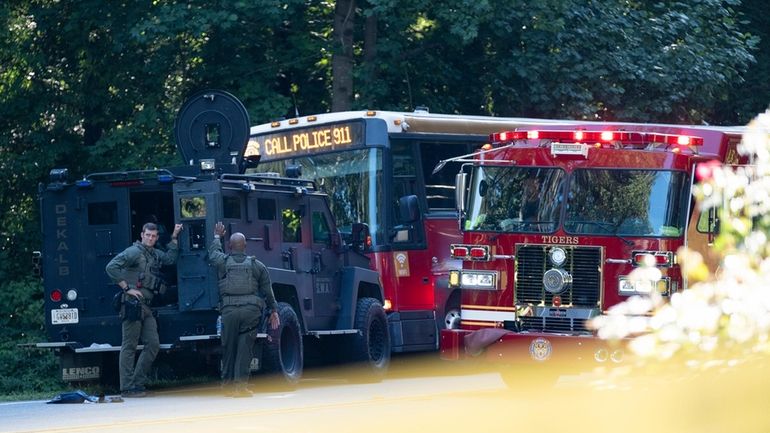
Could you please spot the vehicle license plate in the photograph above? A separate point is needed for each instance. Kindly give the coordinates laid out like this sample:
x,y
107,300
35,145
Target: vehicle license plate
x,y
63,316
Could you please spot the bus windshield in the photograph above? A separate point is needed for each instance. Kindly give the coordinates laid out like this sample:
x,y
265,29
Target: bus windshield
x,y
515,199
627,202
353,181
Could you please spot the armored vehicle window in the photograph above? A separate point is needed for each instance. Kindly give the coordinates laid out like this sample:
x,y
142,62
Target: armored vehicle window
x,y
320,229
266,209
192,207
102,213
232,207
292,225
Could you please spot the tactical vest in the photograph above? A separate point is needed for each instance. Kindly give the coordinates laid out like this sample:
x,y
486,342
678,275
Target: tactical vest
x,y
239,277
147,266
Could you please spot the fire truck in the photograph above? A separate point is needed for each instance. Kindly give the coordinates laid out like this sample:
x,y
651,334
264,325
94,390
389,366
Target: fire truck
x,y
555,218
330,302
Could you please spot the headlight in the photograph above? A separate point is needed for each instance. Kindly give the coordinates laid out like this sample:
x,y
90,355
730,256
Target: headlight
x,y
483,280
556,280
558,256
628,287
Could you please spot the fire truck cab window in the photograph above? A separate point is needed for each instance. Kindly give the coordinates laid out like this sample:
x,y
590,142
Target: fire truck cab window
x,y
627,202
515,199
102,213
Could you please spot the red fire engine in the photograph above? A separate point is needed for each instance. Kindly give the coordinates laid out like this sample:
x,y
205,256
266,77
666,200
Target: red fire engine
x,y
554,220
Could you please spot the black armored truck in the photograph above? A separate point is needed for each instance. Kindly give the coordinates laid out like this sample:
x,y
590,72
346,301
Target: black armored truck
x,y
330,302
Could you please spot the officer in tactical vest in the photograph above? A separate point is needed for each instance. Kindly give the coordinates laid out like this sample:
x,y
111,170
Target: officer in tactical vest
x,y
244,290
137,271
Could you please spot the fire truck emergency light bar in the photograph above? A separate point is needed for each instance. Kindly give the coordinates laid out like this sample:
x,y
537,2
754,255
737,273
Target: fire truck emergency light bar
x,y
583,136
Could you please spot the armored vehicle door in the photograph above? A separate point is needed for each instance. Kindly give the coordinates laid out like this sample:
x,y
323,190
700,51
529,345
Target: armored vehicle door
x,y
326,265
197,205
83,228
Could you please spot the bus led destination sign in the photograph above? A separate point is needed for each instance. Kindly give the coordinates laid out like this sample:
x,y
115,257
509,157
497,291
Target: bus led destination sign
x,y
303,141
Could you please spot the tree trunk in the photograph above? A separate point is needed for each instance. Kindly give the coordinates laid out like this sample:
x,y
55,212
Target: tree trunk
x,y
342,56
370,38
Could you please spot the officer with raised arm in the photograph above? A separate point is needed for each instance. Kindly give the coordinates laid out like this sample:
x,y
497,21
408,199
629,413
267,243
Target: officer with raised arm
x,y
137,271
245,290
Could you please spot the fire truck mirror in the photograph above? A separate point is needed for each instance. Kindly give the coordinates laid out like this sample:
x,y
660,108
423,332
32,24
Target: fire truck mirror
x,y
713,225
460,180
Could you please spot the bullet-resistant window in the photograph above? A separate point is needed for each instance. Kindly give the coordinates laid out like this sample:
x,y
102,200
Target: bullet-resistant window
x,y
102,213
231,206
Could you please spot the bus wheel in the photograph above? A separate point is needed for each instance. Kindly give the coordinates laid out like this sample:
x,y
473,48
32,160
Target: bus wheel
x,y
371,346
283,351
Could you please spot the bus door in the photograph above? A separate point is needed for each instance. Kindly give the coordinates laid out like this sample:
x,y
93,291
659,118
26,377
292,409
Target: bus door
x,y
197,206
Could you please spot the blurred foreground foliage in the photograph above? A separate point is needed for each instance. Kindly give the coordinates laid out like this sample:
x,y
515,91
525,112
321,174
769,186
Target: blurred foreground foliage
x,y
723,318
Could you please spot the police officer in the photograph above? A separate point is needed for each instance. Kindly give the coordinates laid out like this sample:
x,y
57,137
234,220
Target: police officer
x,y
136,271
244,290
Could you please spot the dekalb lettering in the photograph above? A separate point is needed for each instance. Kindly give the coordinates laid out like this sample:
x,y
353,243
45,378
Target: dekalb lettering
x,y
62,249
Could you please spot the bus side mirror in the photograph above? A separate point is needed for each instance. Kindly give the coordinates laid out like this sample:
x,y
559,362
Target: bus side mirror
x,y
460,180
360,238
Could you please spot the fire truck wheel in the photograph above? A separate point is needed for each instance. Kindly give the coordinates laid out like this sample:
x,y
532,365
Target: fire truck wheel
x,y
371,346
283,351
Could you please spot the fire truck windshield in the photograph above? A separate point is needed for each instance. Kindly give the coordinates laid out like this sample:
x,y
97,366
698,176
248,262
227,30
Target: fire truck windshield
x,y
353,181
599,201
627,202
515,199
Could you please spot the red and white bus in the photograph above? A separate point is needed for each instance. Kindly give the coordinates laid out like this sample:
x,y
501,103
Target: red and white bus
x,y
376,167
555,218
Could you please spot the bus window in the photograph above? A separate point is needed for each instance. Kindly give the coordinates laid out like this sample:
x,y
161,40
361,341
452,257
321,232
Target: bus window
x,y
440,187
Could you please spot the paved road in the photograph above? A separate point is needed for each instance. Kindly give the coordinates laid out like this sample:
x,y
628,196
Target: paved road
x,y
425,398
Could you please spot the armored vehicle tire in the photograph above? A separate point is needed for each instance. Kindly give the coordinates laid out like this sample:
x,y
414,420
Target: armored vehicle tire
x,y
283,350
371,346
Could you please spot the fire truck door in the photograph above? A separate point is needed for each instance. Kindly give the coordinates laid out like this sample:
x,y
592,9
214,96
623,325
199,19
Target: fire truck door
x,y
198,207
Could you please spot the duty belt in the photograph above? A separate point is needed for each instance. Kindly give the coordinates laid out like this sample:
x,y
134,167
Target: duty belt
x,y
240,300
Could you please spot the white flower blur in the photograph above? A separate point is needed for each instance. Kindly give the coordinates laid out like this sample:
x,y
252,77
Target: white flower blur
x,y
730,308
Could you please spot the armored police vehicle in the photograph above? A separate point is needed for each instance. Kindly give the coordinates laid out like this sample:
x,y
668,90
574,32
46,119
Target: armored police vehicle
x,y
330,302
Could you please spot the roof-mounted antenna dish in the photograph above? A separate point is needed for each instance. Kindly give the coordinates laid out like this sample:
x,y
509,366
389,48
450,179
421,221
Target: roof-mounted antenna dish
x,y
212,124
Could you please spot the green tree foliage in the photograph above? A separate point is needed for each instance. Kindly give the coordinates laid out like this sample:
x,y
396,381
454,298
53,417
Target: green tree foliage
x,y
596,59
750,96
95,86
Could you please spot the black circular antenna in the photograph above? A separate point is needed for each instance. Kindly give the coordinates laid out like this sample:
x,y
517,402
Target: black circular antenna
x,y
212,124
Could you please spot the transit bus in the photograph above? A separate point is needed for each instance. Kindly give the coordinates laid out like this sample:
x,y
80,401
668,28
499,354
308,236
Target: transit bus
x,y
377,168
